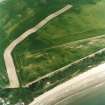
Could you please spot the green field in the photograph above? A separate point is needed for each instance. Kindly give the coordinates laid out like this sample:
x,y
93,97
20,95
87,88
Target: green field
x,y
39,63
76,24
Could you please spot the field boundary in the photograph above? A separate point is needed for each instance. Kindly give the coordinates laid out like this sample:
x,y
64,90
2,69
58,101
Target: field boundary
x,y
73,42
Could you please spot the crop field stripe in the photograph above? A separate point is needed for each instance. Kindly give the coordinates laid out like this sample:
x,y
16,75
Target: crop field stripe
x,y
9,63
63,45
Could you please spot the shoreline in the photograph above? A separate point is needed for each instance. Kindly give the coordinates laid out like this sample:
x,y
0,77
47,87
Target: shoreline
x,y
90,78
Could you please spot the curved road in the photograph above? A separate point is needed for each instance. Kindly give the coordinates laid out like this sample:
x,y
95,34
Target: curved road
x,y
77,85
9,63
